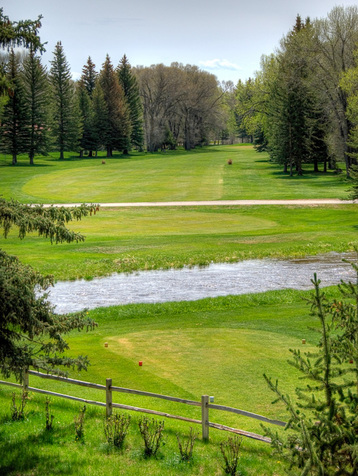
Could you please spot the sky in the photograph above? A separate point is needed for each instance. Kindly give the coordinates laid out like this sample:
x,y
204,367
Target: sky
x,y
225,37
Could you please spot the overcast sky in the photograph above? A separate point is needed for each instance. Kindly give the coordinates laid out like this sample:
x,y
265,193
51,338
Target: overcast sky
x,y
225,37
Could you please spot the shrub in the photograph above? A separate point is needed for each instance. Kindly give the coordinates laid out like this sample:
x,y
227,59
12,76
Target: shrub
x,y
49,417
230,451
186,447
18,413
115,429
152,433
79,423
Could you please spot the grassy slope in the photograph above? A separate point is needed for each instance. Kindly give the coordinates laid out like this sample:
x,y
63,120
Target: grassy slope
x,y
149,238
213,346
172,176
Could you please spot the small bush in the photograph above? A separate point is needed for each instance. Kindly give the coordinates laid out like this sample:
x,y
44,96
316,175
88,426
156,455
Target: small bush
x,y
152,433
19,413
186,447
230,451
79,423
115,429
49,417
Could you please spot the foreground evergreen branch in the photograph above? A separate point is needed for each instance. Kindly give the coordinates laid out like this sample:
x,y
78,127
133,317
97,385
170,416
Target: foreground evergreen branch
x,y
31,335
324,421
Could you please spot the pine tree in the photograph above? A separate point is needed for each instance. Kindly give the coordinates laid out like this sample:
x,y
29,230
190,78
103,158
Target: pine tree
x,y
66,128
99,118
15,114
36,89
324,419
130,87
89,76
119,128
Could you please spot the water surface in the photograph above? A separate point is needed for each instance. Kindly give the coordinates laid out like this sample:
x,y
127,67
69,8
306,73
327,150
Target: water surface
x,y
190,284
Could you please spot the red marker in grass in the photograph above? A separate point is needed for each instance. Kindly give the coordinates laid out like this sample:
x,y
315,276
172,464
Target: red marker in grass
x,y
140,363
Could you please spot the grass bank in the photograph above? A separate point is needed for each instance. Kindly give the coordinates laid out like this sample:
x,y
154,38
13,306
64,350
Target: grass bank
x,y
201,174
131,239
213,346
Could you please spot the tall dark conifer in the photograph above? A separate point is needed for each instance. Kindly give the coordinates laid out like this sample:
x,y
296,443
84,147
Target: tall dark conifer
x,y
66,127
36,90
15,114
131,91
89,76
118,131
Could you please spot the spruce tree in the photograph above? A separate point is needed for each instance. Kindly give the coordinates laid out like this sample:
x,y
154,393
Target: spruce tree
x,y
324,420
118,131
15,117
130,87
99,118
36,89
66,120
89,76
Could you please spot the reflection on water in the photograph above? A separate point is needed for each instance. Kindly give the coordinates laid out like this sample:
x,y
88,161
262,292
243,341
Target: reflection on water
x,y
190,284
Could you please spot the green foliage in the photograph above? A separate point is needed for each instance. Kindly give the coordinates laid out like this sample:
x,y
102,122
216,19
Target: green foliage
x,y
324,419
20,33
18,412
116,134
66,124
34,81
15,118
230,450
79,422
116,428
130,87
30,333
152,434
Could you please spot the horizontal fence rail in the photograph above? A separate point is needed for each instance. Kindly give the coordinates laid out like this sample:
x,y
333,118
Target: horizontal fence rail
x,y
109,405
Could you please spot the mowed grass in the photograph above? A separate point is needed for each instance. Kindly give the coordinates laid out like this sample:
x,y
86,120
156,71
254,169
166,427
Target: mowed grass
x,y
201,174
131,239
218,347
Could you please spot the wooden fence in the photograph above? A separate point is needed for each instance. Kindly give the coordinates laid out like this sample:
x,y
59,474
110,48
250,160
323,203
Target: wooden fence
x,y
109,405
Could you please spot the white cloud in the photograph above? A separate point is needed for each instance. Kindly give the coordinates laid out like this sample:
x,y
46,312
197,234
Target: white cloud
x,y
219,64
75,76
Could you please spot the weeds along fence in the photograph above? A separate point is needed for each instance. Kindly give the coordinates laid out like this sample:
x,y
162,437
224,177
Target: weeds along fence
x,y
109,405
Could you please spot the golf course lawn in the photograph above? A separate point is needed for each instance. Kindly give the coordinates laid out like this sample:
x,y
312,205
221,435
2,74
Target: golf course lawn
x,y
218,347
201,174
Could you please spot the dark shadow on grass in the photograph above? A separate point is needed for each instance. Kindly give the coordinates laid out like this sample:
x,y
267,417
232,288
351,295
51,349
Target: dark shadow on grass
x,y
24,455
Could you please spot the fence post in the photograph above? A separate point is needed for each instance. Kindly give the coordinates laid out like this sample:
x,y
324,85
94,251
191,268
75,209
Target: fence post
x,y
108,397
205,417
25,379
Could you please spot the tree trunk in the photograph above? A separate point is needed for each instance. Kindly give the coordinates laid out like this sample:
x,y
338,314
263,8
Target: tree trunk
x,y
315,165
14,159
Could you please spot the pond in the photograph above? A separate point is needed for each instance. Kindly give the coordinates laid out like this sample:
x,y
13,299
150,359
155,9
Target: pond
x,y
190,284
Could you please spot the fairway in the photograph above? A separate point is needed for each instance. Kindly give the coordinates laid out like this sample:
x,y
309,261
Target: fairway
x,y
132,239
201,174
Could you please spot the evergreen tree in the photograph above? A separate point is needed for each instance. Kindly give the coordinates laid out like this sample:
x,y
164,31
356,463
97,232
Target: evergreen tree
x,y
130,87
85,89
87,141
66,127
99,118
15,114
89,76
30,333
117,135
35,85
324,419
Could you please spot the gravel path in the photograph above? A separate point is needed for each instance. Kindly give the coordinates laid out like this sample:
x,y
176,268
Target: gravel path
x,y
299,202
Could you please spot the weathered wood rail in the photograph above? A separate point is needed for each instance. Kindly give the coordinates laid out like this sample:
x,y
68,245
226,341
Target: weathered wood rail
x,y
204,404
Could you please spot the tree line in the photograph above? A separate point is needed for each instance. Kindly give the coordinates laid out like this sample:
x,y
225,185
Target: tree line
x,y
302,105
114,109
